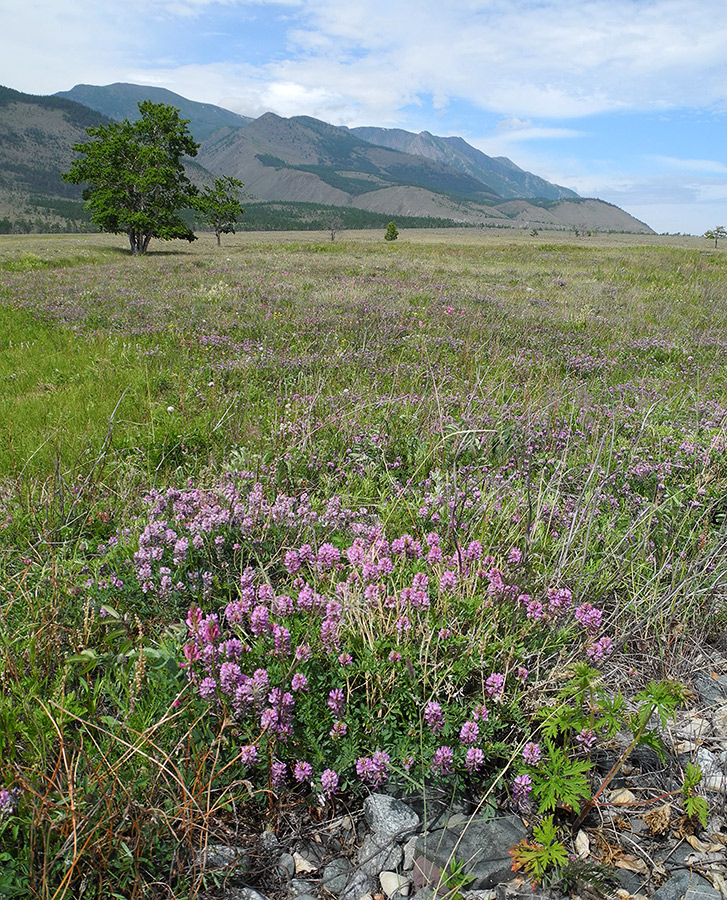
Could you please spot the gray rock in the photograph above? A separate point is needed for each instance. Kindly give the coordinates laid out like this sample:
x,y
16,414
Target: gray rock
x,y
707,762
220,856
359,885
711,691
300,886
688,885
336,875
286,862
310,852
243,893
378,855
390,818
482,848
434,806
410,853
629,881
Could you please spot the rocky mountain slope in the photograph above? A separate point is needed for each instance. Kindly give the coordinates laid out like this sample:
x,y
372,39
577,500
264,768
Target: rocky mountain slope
x,y
500,173
36,137
297,160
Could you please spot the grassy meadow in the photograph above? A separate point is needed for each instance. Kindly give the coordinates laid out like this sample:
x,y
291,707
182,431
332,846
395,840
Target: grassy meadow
x,y
292,519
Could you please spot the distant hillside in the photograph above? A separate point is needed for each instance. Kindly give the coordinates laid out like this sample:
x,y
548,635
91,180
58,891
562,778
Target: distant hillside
x,y
498,173
121,101
36,137
303,159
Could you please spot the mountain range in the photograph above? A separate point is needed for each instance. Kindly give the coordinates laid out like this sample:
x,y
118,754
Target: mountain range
x,y
302,169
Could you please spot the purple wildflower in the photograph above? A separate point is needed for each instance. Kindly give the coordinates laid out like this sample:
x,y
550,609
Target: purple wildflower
x,y
522,786
302,771
339,730
207,688
277,775
8,800
589,617
514,556
328,557
292,562
481,713
434,717
495,685
531,753
448,581
559,600
474,759
335,701
281,637
302,652
586,738
469,732
373,770
329,782
230,676
442,761
299,682
599,649
248,755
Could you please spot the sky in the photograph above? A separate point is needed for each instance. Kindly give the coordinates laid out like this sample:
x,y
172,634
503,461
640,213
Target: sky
x,y
625,100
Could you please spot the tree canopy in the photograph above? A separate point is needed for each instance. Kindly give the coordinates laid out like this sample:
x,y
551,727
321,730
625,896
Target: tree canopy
x,y
716,234
219,206
136,182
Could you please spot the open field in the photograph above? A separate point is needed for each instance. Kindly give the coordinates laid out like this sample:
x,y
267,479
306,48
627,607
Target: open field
x,y
378,500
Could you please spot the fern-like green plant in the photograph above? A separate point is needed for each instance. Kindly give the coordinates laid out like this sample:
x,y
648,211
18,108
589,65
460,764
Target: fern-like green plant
x,y
544,852
695,806
560,780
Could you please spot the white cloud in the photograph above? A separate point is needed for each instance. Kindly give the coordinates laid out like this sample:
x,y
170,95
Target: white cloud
x,y
674,163
554,58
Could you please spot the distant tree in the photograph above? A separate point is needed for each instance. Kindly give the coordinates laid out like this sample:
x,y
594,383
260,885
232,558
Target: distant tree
x,y
219,206
392,232
334,224
716,234
136,183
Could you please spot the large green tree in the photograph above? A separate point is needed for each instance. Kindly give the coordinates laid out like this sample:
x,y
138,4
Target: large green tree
x,y
135,179
219,206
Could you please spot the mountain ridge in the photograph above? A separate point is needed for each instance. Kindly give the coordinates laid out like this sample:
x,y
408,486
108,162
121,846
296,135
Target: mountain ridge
x,y
297,160
120,101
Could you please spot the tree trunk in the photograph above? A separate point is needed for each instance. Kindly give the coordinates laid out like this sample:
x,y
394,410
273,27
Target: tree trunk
x,y
218,238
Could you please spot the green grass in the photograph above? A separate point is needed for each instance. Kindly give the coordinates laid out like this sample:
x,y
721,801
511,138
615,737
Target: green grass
x,y
564,397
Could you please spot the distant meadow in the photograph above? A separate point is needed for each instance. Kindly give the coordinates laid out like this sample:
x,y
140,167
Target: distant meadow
x,y
292,519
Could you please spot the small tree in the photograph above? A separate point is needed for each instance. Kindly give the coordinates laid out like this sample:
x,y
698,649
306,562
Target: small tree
x,y
219,206
135,178
392,232
716,234
334,223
